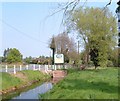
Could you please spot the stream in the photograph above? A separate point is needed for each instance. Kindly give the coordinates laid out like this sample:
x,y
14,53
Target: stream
x,y
30,93
33,91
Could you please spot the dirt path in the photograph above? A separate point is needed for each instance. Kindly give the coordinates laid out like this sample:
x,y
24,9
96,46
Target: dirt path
x,y
20,75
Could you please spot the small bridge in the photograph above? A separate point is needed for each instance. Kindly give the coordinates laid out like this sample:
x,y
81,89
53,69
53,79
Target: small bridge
x,y
58,75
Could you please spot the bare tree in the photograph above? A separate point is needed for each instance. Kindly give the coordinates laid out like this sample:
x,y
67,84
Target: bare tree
x,y
52,46
71,5
65,45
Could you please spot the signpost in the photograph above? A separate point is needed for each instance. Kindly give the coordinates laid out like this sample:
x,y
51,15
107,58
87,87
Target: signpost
x,y
58,59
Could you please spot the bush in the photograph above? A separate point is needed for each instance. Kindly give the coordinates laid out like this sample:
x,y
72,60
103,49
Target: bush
x,y
110,64
90,64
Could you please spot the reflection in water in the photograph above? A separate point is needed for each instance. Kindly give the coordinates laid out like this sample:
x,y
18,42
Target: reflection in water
x,y
33,93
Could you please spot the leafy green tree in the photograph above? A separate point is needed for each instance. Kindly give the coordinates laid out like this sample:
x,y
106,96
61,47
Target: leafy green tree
x,y
98,30
6,51
1,59
114,58
28,59
14,56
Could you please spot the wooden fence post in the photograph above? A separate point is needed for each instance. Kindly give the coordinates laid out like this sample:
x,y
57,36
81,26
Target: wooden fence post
x,y
55,67
47,67
14,69
20,67
65,67
27,67
39,67
34,67
6,67
59,66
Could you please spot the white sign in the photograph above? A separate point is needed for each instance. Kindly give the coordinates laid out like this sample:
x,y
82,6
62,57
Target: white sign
x,y
58,58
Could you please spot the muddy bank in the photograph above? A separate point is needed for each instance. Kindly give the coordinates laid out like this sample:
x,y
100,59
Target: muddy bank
x,y
51,79
15,88
25,79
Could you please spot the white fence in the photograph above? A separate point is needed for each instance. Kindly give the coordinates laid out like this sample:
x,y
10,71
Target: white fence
x,y
14,68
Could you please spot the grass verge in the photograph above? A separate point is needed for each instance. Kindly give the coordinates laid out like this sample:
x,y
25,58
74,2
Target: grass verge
x,y
10,80
87,84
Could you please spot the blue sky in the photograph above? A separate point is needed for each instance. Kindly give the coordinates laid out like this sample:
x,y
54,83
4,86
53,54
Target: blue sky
x,y
25,27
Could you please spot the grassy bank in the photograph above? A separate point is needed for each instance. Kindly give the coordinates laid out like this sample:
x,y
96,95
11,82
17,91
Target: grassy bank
x,y
21,78
87,84
9,81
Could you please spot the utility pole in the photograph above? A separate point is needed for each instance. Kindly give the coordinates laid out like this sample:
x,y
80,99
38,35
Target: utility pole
x,y
118,14
78,56
78,47
52,46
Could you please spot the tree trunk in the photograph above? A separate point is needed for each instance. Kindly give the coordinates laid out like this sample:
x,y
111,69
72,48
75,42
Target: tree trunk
x,y
53,56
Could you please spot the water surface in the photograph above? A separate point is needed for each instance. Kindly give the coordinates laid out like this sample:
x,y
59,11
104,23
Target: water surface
x,y
33,93
30,93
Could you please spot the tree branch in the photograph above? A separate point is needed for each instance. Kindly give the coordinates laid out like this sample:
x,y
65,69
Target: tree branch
x,y
107,4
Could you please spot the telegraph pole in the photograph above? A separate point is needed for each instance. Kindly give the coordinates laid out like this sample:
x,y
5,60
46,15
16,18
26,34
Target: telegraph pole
x,y
78,47
118,14
52,46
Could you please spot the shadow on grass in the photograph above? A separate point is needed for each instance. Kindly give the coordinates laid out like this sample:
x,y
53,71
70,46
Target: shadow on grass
x,y
80,84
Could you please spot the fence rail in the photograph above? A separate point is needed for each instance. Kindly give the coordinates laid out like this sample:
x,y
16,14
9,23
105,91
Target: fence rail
x,y
14,68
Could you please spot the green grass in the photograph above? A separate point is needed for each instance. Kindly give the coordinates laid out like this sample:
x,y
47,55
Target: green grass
x,y
35,75
9,81
87,84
